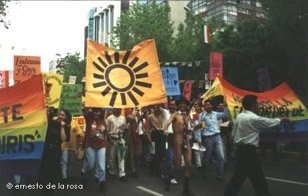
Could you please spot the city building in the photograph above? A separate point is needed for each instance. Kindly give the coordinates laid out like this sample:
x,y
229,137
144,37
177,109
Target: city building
x,y
228,11
103,19
91,23
53,66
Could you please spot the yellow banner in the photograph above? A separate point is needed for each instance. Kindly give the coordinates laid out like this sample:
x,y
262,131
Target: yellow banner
x,y
52,89
214,91
123,79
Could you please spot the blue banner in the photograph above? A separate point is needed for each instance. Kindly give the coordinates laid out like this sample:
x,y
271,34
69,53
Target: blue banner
x,y
171,80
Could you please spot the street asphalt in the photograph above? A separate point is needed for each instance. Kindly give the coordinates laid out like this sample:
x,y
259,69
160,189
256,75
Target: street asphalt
x,y
287,177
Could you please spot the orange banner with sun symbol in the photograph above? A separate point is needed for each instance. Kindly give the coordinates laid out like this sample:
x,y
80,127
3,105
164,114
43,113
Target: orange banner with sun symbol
x,y
123,79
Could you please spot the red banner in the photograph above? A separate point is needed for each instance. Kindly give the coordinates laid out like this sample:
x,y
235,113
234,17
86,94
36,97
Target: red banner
x,y
215,65
4,79
187,89
25,67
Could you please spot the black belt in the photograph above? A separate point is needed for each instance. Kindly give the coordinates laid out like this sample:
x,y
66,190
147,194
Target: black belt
x,y
246,146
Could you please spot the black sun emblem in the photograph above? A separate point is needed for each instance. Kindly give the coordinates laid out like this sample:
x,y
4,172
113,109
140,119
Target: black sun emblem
x,y
124,85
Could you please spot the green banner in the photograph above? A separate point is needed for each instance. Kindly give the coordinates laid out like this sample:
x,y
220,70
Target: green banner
x,y
71,99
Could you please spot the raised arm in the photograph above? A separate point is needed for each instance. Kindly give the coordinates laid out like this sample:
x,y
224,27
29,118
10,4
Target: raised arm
x,y
172,117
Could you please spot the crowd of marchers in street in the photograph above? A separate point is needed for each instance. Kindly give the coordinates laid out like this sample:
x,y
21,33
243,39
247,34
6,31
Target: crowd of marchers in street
x,y
163,137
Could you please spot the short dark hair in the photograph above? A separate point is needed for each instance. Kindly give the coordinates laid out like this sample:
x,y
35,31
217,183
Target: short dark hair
x,y
249,101
210,101
170,100
182,100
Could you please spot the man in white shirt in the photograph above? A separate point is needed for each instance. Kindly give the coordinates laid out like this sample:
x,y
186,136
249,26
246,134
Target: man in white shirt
x,y
246,136
170,154
116,125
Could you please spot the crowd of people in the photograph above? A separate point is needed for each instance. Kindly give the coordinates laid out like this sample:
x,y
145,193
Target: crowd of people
x,y
163,137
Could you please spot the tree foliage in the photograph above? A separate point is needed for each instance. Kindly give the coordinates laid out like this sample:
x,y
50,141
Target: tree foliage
x,y
145,21
71,65
188,44
243,51
287,25
279,44
3,12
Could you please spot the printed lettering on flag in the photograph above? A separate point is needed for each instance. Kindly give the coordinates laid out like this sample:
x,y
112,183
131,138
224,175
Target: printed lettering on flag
x,y
216,65
4,79
276,103
52,88
26,67
23,125
187,89
171,80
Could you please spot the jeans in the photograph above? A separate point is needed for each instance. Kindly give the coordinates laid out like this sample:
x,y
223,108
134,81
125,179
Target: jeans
x,y
100,155
66,163
198,157
146,156
213,143
170,160
17,179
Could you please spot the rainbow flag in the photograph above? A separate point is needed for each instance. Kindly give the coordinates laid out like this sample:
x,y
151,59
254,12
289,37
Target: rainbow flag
x,y
23,125
276,103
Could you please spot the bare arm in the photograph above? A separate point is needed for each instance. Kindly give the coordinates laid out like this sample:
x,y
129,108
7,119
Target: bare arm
x,y
171,119
63,135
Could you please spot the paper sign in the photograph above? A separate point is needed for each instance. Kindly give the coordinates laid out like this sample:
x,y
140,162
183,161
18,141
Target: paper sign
x,y
26,67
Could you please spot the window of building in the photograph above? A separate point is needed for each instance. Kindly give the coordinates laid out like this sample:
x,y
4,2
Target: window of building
x,y
232,1
111,18
142,1
210,2
96,28
258,4
107,21
260,15
242,11
102,27
246,1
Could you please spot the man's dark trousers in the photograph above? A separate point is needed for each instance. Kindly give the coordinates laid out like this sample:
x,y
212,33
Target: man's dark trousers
x,y
248,165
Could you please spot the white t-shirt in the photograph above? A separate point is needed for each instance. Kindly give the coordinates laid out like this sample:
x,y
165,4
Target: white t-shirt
x,y
140,126
116,125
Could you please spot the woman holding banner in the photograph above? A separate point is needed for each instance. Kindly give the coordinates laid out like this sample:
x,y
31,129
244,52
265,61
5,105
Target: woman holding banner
x,y
95,145
58,131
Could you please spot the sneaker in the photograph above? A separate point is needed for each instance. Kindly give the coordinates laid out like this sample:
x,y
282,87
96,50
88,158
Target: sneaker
x,y
188,192
102,187
173,181
123,179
